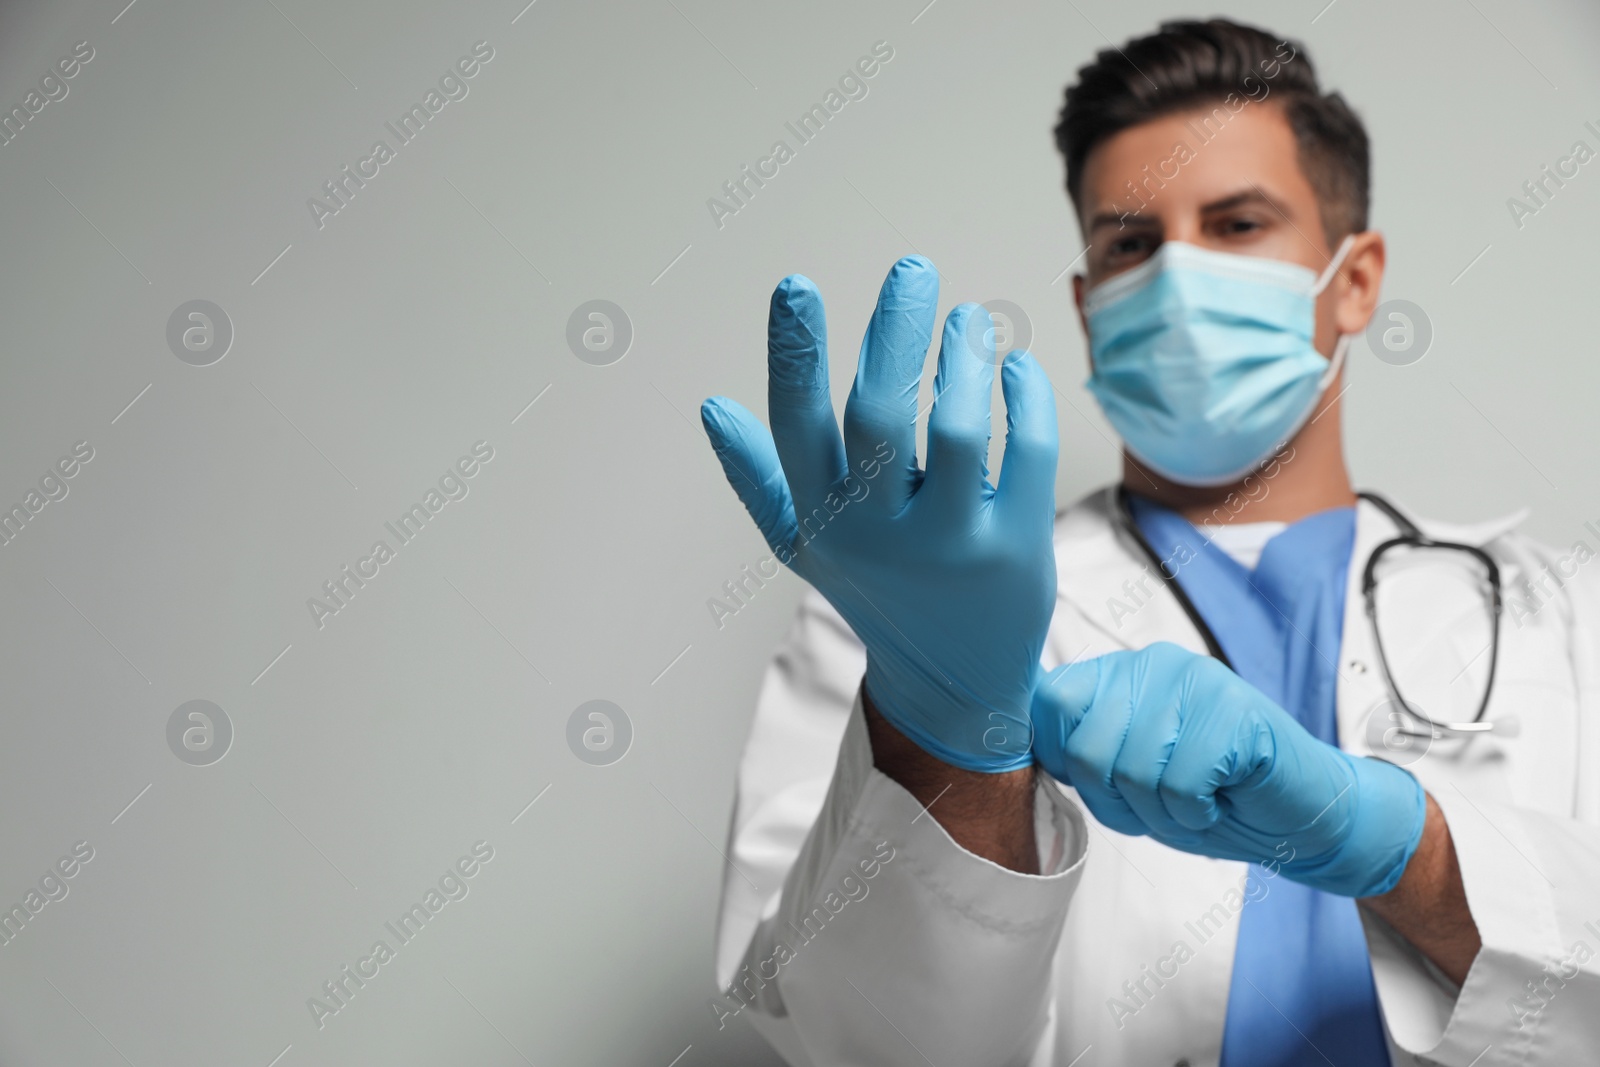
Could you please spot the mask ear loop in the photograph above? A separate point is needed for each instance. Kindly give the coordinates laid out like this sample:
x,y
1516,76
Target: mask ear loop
x,y
1333,264
1341,346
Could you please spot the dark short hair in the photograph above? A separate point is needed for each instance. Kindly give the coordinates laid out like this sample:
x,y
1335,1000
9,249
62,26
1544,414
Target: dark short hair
x,y
1186,64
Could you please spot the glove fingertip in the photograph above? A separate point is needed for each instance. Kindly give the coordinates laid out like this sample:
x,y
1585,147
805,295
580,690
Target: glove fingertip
x,y
750,463
721,419
714,416
796,302
1021,373
914,264
794,283
912,282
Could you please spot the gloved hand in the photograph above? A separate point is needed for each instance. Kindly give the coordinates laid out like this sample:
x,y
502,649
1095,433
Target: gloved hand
x,y
1165,742
948,581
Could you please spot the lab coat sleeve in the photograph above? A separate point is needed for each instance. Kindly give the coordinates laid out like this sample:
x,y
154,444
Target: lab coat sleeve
x,y
1532,880
853,928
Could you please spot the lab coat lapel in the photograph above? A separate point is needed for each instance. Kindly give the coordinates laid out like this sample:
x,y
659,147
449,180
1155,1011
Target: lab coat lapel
x,y
1107,581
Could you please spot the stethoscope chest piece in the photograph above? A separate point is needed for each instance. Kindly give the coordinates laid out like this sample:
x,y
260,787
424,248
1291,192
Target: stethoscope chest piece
x,y
1394,734
1401,736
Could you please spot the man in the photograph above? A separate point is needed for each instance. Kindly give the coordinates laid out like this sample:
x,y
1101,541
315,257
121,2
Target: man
x,y
1259,811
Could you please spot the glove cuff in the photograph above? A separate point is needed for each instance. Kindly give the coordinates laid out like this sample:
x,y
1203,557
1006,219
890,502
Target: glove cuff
x,y
991,742
1388,810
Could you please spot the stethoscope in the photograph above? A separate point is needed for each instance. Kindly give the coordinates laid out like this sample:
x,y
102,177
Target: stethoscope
x,y
1419,724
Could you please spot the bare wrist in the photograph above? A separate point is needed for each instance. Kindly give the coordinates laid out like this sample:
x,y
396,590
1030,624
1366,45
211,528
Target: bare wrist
x,y
989,815
1428,906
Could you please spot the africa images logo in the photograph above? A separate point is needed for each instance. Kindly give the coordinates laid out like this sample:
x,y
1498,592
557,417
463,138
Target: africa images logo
x,y
453,86
454,884
453,486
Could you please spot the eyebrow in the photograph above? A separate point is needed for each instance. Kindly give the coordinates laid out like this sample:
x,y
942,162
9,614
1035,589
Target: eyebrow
x,y
1240,199
1120,219
1124,219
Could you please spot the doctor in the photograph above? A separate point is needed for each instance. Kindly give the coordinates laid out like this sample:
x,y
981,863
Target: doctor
x,y
1307,780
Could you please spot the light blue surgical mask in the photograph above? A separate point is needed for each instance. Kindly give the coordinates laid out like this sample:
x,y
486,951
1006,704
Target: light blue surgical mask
x,y
1204,361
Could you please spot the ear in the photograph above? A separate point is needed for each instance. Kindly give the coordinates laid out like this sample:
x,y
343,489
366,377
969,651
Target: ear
x,y
1359,284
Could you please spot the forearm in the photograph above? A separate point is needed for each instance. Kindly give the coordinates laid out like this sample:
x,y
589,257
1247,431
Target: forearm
x,y
989,815
1428,907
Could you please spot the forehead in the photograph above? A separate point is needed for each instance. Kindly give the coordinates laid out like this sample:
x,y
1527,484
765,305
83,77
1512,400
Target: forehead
x,y
1180,162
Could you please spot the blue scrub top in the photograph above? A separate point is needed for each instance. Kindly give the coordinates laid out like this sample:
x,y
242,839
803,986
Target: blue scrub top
x,y
1302,989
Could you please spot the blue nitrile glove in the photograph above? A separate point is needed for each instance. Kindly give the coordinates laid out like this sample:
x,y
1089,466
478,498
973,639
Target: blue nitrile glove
x,y
948,581
1165,742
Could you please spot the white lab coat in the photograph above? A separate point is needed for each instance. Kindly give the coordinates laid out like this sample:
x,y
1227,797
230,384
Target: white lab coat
x,y
855,931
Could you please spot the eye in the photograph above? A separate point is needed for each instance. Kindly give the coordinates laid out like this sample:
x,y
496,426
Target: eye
x,y
1129,246
1240,226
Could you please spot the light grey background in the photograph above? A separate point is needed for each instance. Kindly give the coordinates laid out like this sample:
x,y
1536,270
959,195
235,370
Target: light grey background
x,y
426,316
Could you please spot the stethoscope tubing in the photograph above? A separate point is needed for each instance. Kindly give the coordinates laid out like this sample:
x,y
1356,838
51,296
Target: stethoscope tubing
x,y
1409,534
